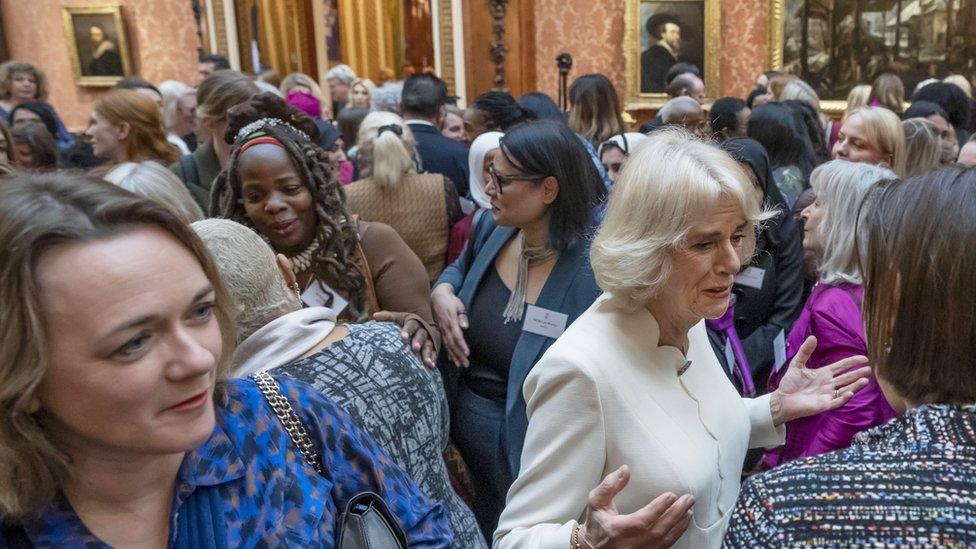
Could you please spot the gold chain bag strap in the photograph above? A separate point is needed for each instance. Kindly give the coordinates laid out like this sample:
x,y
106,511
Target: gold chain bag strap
x,y
367,522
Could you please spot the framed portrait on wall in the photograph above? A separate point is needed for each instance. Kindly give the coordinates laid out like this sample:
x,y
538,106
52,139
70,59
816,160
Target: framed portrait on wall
x,y
660,33
835,46
97,45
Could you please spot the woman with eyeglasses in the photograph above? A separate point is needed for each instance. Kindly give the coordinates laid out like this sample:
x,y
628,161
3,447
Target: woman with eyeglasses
x,y
522,279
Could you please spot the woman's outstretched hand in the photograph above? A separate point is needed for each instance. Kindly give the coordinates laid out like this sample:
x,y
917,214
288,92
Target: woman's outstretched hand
x,y
658,524
804,392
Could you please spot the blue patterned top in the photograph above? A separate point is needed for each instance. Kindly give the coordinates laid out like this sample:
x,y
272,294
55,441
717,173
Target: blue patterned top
x,y
908,483
250,476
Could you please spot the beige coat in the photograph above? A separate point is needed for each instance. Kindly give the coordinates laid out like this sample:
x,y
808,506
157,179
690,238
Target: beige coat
x,y
605,395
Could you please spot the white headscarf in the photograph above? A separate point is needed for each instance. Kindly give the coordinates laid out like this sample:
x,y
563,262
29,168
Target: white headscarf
x,y
476,163
625,142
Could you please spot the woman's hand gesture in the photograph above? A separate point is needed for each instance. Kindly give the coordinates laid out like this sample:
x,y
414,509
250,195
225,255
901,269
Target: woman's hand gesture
x,y
804,392
658,524
450,316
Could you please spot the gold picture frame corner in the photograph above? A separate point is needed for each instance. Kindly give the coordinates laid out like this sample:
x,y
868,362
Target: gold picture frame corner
x,y
107,8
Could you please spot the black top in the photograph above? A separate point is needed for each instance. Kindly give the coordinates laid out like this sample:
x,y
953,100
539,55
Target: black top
x,y
760,313
439,154
655,63
491,342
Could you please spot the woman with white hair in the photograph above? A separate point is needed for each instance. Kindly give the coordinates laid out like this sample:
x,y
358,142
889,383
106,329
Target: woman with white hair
x,y
421,207
179,114
365,368
632,393
340,79
832,313
153,181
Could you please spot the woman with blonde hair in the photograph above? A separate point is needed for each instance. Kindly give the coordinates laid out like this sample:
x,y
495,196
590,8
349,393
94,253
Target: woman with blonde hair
x,y
21,83
858,97
924,150
873,135
153,181
594,109
126,126
664,419
361,93
115,336
420,207
302,82
179,113
888,91
832,312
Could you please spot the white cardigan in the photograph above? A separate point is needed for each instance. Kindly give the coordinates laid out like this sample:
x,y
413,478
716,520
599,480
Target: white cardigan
x,y
605,395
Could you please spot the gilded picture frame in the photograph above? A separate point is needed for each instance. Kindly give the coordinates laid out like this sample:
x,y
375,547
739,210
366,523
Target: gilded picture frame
x,y
835,46
98,47
700,27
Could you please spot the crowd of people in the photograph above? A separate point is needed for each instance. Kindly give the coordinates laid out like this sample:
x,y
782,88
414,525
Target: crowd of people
x,y
246,310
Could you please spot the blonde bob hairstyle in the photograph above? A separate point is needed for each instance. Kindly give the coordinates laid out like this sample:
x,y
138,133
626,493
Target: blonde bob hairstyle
x,y
38,212
155,182
884,133
669,184
386,157
841,187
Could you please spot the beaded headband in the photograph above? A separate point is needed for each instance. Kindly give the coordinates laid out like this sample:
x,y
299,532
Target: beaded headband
x,y
264,123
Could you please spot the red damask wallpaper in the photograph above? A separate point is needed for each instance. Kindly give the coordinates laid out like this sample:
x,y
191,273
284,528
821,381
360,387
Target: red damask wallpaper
x,y
593,33
161,34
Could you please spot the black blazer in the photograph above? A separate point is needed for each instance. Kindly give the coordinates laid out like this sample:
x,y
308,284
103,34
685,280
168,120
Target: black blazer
x,y
439,154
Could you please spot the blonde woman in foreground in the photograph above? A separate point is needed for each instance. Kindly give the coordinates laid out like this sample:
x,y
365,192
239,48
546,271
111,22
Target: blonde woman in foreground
x,y
636,437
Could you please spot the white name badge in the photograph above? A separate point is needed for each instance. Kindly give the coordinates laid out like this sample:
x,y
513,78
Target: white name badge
x,y
319,294
779,351
751,277
544,322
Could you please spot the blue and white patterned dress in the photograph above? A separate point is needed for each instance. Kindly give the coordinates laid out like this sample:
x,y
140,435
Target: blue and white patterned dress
x,y
908,483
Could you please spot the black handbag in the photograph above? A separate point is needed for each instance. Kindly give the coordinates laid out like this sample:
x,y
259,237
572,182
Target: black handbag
x,y
366,522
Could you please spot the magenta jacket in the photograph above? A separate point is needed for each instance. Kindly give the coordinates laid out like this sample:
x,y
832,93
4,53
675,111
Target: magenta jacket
x,y
832,313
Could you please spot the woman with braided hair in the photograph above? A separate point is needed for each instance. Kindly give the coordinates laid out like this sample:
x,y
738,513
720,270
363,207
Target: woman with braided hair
x,y
279,183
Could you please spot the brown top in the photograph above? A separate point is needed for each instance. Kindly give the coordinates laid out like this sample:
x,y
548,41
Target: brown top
x,y
421,208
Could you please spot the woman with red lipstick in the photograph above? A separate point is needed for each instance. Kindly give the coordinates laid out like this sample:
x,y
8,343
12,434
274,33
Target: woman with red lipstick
x,y
832,313
118,427
632,393
279,183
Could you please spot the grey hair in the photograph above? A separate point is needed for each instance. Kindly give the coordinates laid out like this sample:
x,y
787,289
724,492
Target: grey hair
x,y
387,97
841,187
172,91
342,73
249,270
153,181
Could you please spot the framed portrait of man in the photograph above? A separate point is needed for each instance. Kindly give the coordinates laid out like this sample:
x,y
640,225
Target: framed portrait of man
x,y
97,44
661,33
835,46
